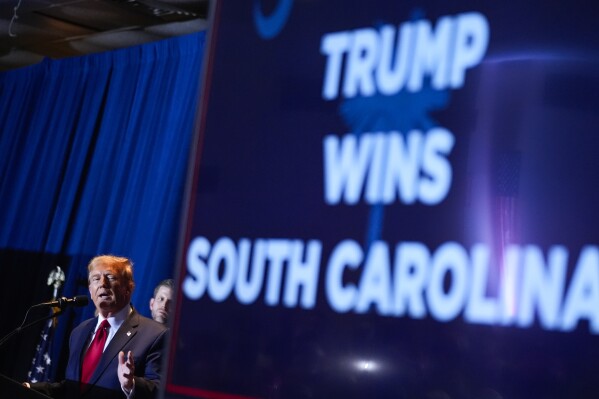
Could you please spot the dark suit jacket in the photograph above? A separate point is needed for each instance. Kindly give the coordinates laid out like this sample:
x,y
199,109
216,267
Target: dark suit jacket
x,y
140,335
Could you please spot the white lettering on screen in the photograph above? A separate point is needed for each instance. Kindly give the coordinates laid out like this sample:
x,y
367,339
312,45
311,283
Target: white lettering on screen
x,y
405,280
365,61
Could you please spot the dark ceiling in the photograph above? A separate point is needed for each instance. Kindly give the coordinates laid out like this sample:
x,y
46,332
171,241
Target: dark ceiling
x,y
33,29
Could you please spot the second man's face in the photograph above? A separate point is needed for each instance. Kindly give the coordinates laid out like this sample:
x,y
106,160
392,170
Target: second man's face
x,y
108,289
160,304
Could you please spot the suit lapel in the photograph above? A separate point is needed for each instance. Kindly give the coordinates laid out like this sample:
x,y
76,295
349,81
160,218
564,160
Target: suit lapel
x,y
124,334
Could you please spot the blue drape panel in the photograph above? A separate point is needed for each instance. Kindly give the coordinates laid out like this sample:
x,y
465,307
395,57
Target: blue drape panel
x,y
93,157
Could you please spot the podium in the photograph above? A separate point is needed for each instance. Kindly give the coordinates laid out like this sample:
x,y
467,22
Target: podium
x,y
12,389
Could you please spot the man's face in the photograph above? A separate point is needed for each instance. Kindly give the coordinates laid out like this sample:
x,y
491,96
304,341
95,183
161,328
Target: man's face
x,y
160,304
108,289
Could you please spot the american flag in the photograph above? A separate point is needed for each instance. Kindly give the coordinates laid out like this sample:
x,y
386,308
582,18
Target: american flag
x,y
41,365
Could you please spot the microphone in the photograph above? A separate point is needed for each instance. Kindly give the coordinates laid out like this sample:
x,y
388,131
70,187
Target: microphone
x,y
77,301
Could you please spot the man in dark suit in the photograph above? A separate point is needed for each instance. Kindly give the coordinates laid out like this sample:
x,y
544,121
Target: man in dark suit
x,y
117,354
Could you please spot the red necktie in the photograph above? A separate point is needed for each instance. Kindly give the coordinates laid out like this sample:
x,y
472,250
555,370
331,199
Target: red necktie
x,y
94,352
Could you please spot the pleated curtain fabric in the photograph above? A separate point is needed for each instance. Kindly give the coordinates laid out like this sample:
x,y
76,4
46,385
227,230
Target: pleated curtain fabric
x,y
94,153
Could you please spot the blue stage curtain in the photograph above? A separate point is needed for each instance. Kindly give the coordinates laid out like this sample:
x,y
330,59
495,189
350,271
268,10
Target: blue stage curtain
x,y
93,158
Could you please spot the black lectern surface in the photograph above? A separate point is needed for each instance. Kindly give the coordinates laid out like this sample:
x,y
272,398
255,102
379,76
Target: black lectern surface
x,y
12,389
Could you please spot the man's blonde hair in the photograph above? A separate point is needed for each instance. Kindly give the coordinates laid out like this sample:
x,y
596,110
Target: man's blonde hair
x,y
123,265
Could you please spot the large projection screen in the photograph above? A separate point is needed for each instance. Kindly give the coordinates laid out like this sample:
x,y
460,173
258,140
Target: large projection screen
x,y
393,199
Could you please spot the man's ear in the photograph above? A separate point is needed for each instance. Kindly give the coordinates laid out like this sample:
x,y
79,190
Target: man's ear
x,y
151,302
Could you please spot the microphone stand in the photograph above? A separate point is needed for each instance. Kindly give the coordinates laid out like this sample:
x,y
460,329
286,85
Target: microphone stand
x,y
55,278
23,326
